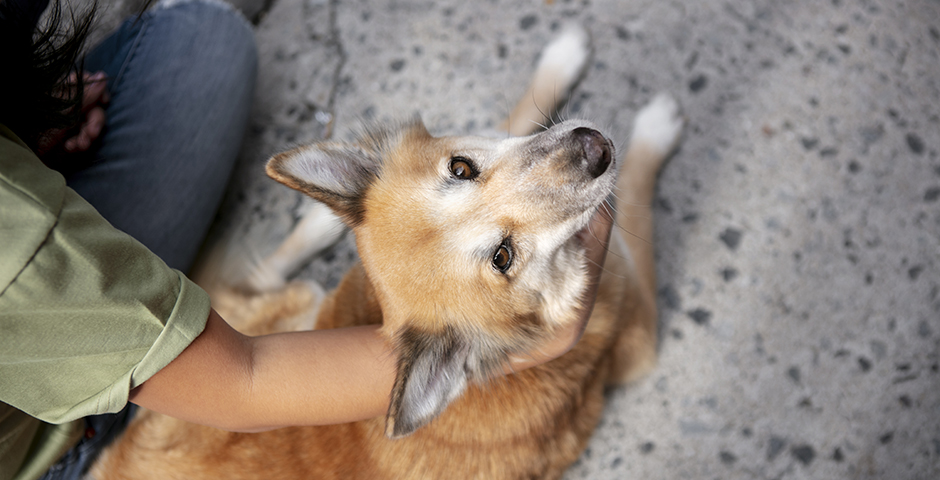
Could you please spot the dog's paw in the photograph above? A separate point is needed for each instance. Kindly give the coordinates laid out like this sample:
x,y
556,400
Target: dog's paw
x,y
659,124
262,277
566,58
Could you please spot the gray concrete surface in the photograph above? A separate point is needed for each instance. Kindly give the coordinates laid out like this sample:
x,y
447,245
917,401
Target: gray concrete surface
x,y
798,227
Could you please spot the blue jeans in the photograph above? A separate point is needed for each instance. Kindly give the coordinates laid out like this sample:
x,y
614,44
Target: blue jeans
x,y
100,430
181,80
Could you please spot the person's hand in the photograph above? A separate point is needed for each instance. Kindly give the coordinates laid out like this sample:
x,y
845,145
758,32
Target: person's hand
x,y
595,238
61,142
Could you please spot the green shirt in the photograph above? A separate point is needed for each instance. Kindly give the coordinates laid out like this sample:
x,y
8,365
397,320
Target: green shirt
x,y
86,313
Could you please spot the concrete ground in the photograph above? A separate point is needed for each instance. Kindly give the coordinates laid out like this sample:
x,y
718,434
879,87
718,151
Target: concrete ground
x,y
798,227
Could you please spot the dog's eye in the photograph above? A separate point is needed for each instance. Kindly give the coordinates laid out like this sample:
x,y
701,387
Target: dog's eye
x,y
502,259
462,168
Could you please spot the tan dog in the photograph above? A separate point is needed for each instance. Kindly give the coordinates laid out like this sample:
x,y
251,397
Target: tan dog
x,y
469,255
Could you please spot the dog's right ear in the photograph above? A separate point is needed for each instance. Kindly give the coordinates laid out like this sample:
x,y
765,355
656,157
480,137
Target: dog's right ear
x,y
336,174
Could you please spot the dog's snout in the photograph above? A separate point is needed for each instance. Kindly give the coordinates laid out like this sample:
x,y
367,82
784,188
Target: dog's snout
x,y
596,150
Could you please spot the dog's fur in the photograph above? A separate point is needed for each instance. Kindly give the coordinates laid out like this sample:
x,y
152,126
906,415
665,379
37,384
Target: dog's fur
x,y
469,254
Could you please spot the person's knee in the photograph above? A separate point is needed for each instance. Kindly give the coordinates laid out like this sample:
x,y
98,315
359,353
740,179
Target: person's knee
x,y
225,28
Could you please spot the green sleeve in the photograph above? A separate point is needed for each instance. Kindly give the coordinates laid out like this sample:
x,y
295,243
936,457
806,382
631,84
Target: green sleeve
x,y
86,312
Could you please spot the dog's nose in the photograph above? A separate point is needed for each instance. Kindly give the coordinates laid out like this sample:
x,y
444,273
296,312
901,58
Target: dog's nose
x,y
596,150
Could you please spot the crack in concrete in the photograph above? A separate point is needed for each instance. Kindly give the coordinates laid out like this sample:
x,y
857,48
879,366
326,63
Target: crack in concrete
x,y
334,40
258,17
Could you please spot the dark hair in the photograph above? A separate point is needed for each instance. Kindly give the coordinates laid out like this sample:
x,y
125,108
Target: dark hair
x,y
36,57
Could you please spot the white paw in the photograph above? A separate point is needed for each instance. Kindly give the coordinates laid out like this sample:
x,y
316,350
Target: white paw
x,y
262,277
659,124
566,57
318,229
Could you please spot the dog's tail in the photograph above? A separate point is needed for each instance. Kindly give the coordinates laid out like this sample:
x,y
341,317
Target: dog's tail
x,y
563,63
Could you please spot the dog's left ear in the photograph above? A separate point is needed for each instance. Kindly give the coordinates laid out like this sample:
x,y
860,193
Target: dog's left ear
x,y
339,173
336,174
433,370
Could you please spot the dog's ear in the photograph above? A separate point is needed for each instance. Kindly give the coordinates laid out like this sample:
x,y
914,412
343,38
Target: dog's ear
x,y
339,173
336,174
433,370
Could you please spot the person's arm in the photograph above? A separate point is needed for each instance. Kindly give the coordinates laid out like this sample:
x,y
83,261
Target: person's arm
x,y
231,381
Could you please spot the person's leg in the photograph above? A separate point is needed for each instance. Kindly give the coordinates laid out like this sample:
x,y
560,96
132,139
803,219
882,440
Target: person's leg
x,y
100,430
181,79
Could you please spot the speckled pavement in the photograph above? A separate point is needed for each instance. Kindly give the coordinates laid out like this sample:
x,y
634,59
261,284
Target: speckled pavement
x,y
798,226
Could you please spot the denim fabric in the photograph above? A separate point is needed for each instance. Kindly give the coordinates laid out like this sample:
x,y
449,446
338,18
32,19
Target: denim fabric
x,y
100,430
181,79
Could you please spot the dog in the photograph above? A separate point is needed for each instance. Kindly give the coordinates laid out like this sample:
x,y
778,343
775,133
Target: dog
x,y
469,254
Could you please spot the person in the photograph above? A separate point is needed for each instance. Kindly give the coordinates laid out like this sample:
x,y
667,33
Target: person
x,y
96,315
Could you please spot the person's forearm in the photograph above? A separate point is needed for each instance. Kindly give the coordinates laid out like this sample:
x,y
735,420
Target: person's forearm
x,y
231,381
323,376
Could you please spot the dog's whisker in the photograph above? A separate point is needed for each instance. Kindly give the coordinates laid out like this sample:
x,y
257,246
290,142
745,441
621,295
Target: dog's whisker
x,y
610,272
644,217
567,113
604,268
554,102
609,208
539,124
542,112
509,125
630,204
612,212
628,232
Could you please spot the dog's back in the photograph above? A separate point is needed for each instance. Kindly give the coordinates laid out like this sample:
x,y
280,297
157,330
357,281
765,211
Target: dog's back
x,y
492,267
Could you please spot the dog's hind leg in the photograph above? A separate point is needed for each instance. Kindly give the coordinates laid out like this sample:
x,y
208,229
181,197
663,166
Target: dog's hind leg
x,y
561,66
656,132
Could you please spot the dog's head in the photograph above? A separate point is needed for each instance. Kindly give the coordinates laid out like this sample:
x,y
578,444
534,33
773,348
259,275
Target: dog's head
x,y
469,243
